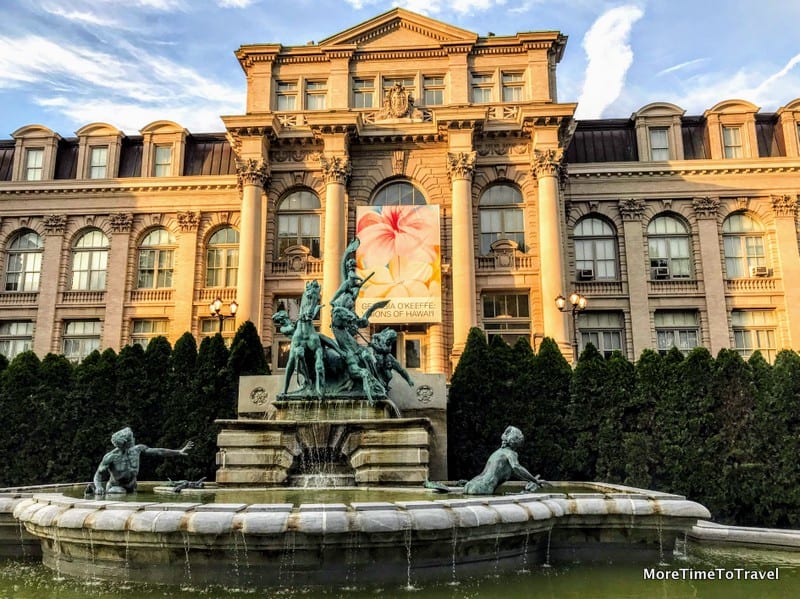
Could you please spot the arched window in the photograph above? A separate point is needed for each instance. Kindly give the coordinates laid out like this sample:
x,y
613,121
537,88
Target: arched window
x,y
24,262
501,217
668,247
89,261
399,193
595,250
743,241
298,222
156,260
222,258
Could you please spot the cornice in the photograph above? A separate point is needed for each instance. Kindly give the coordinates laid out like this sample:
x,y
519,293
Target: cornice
x,y
121,186
686,168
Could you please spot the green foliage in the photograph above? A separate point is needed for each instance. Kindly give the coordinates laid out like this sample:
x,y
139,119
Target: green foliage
x,y
247,354
583,413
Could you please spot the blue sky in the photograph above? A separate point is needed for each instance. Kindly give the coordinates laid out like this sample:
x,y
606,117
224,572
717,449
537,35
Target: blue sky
x,y
66,63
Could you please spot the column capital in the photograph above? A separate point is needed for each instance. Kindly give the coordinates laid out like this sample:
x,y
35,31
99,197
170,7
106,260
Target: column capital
x,y
335,169
547,163
121,222
188,220
251,171
631,209
784,205
706,207
55,224
461,165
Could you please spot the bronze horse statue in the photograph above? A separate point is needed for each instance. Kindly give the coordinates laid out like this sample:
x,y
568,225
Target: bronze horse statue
x,y
306,343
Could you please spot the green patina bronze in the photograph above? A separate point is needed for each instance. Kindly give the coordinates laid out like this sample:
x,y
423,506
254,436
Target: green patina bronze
x,y
501,467
119,468
338,366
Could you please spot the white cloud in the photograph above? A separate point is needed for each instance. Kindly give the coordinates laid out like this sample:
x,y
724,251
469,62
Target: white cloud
x,y
131,84
435,7
682,65
84,17
236,3
609,57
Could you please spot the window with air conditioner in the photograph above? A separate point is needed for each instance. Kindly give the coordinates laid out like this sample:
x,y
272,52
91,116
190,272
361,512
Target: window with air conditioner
x,y
595,250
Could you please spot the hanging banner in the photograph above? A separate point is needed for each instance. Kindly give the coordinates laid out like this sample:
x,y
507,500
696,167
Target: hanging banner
x,y
400,258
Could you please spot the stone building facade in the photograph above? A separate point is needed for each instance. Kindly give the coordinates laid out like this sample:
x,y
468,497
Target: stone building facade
x,y
678,230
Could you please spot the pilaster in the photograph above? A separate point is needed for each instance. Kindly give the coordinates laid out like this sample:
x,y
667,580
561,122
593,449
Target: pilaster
x,y
185,284
121,224
716,309
785,209
632,211
54,227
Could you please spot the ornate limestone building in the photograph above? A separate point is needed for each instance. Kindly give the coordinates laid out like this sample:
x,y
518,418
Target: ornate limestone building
x,y
678,230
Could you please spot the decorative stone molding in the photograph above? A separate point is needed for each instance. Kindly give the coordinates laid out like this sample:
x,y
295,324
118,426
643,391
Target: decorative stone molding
x,y
547,163
335,169
252,172
631,209
188,221
784,205
706,207
54,224
666,203
121,222
742,203
399,162
398,104
461,165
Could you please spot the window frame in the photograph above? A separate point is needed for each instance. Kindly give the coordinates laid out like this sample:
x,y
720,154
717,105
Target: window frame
x,y
96,268
226,270
731,150
30,263
743,241
381,195
754,333
678,330
98,170
34,172
588,333
14,341
668,260
504,317
365,92
286,92
592,241
315,94
659,153
514,82
481,83
303,214
162,168
489,205
86,341
159,327
163,269
435,85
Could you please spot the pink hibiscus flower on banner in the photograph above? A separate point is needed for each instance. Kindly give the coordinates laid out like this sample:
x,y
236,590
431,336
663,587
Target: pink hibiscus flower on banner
x,y
411,232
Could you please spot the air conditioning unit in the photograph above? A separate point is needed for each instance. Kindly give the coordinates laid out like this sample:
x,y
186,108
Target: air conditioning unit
x,y
661,272
759,271
586,274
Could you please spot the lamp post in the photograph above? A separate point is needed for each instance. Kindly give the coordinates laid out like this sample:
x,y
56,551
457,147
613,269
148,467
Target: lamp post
x,y
215,308
574,304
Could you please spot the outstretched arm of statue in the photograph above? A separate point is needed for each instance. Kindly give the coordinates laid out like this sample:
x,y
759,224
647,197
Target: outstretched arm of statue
x,y
534,482
161,452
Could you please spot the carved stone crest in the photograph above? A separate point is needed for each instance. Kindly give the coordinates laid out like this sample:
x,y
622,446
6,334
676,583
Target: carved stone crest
x,y
398,103
121,222
54,224
188,220
631,208
259,396
706,207
424,394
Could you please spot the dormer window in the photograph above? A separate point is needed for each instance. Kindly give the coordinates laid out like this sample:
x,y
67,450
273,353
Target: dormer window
x,y
659,143
34,164
732,142
162,165
98,162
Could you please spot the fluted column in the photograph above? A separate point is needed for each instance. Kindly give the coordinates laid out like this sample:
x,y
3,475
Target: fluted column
x,y
460,166
632,211
336,171
708,233
546,167
785,209
253,177
184,277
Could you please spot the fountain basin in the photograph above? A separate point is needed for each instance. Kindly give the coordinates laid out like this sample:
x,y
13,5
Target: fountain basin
x,y
332,543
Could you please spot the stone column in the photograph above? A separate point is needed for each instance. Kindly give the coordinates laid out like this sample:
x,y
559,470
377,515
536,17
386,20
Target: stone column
x,y
546,167
785,210
121,224
54,227
184,283
436,359
716,309
460,166
336,171
253,177
632,210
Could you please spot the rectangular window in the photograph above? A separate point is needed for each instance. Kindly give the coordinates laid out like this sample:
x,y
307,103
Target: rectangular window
x,y
507,315
732,142
659,143
162,165
34,164
15,338
145,329
406,82
98,162
287,95
363,92
601,329
433,91
482,88
676,328
81,337
513,86
754,330
316,92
